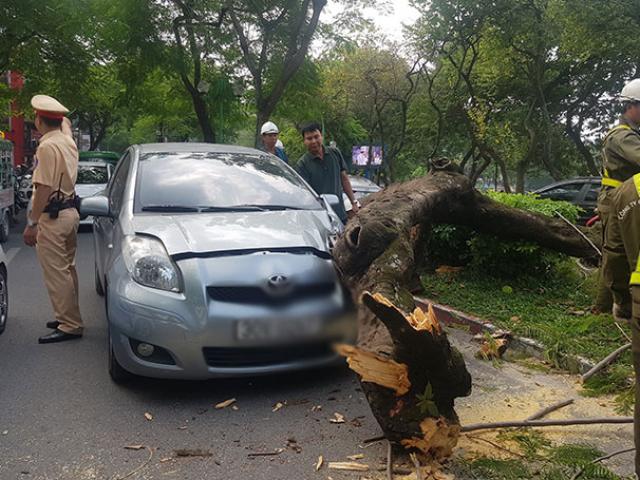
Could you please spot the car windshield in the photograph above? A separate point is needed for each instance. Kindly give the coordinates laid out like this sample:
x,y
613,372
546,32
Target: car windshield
x,y
92,174
216,182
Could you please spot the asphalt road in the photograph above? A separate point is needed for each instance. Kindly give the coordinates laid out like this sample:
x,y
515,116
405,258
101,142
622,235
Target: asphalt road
x,y
62,418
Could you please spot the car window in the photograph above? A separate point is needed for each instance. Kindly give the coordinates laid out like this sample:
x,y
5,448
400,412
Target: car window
x,y
93,174
219,180
592,193
118,184
567,192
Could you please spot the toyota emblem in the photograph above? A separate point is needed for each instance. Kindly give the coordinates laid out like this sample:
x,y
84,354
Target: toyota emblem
x,y
279,285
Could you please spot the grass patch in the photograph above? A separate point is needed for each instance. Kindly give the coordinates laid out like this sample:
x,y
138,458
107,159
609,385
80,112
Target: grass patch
x,y
542,460
553,310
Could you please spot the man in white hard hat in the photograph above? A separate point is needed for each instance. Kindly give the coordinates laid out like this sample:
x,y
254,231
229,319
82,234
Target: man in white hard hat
x,y
621,161
619,208
269,133
52,223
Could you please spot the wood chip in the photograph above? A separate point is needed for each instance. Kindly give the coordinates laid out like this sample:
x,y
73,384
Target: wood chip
x,y
316,408
320,462
353,466
357,456
188,452
183,427
337,418
278,406
225,404
134,447
234,408
165,459
148,416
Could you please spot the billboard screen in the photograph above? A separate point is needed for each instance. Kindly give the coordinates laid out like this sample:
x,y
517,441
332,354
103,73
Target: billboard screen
x,y
360,155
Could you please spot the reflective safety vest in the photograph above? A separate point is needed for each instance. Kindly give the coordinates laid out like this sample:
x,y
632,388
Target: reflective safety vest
x,y
635,276
607,181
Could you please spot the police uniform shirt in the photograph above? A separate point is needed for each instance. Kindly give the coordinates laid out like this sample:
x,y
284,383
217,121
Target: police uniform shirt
x,y
57,155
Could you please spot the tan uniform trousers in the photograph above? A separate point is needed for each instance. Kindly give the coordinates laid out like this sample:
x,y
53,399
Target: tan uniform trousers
x,y
56,249
625,223
615,268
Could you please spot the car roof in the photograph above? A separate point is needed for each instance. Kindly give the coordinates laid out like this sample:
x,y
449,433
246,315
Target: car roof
x,y
92,163
98,154
362,182
568,181
194,147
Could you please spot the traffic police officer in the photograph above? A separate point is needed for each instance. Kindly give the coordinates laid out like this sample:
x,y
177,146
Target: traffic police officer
x,y
53,222
621,160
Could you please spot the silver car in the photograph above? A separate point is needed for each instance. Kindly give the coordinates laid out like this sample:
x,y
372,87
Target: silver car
x,y
215,262
92,178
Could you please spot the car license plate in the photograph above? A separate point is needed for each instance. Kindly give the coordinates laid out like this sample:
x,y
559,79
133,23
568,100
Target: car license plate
x,y
277,329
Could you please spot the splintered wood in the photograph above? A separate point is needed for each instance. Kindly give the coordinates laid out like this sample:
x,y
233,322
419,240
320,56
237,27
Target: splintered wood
x,y
418,319
376,369
439,437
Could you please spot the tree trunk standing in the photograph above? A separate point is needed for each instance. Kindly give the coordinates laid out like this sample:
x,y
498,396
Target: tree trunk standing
x,y
200,107
409,372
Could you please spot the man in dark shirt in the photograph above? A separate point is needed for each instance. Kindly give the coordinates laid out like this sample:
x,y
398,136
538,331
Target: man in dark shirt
x,y
324,169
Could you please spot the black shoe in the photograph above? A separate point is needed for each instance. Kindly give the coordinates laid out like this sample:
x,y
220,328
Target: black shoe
x,y
53,324
58,336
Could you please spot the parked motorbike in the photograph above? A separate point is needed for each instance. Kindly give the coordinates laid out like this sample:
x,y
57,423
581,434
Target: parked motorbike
x,y
23,187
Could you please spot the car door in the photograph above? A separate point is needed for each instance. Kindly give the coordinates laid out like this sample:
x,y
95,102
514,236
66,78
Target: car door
x,y
568,192
590,199
104,226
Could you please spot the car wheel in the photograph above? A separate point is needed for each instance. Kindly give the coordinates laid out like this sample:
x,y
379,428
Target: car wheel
x,y
99,289
4,299
118,374
4,227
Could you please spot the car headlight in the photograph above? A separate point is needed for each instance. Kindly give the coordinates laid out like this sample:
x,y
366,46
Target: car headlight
x,y
149,264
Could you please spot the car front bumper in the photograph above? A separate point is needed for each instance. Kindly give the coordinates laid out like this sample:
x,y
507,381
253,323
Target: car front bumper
x,y
202,337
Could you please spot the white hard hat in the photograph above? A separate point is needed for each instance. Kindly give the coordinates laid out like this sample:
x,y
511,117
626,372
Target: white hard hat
x,y
269,127
631,91
279,143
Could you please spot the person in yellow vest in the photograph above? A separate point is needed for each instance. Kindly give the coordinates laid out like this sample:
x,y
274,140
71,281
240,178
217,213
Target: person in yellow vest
x,y
621,160
53,221
625,224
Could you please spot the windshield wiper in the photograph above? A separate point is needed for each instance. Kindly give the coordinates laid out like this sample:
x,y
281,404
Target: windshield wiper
x,y
170,208
249,208
233,208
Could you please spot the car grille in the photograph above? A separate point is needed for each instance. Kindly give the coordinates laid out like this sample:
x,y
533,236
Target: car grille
x,y
263,356
259,296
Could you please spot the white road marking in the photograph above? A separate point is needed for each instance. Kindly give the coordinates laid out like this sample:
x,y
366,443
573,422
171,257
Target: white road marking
x,y
11,253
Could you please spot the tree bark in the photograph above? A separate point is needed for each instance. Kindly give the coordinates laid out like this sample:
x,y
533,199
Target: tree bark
x,y
410,373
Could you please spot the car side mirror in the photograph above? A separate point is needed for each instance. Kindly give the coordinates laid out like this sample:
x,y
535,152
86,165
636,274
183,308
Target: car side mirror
x,y
332,200
97,205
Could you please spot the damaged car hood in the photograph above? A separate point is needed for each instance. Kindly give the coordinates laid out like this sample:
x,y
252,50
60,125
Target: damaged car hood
x,y
223,232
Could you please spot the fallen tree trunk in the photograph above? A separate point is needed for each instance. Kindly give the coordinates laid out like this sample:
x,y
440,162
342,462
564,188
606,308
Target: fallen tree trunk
x,y
409,372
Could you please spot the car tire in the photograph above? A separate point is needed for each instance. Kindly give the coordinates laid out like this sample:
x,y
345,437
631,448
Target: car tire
x,y
99,289
4,227
4,299
118,374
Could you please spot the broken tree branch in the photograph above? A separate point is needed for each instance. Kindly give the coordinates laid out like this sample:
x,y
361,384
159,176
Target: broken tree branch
x,y
579,473
546,411
546,423
605,362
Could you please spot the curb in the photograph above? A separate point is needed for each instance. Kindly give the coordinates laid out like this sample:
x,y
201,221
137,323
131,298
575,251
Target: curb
x,y
528,346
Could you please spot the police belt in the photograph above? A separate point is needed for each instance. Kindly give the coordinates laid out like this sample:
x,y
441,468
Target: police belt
x,y
69,203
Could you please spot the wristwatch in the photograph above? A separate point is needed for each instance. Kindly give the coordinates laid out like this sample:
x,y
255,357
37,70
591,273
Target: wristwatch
x,y
31,223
